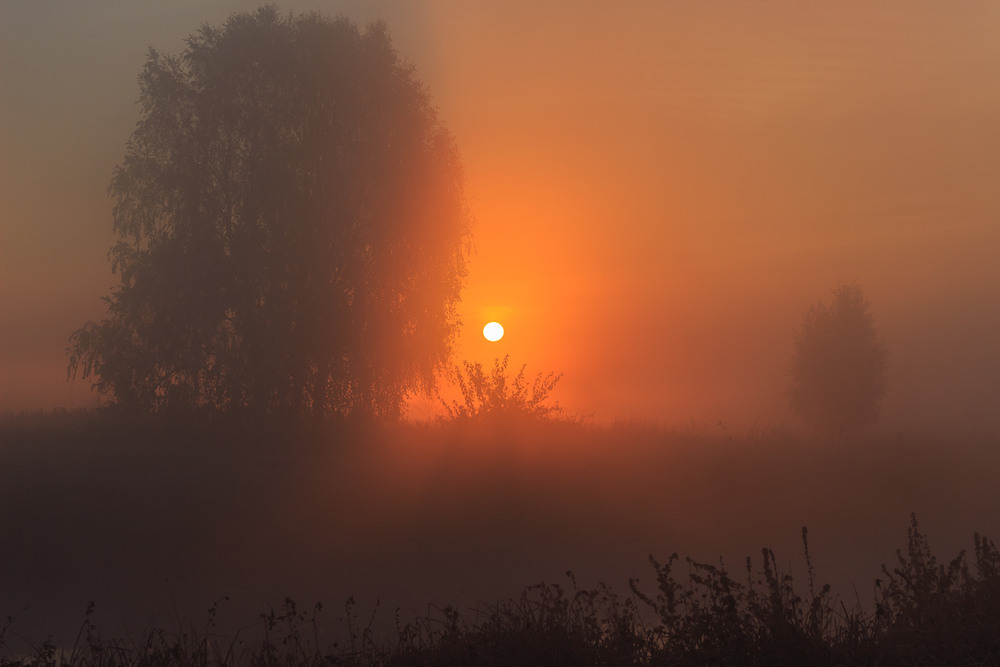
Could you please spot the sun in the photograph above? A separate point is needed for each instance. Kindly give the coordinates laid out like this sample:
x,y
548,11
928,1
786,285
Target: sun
x,y
493,332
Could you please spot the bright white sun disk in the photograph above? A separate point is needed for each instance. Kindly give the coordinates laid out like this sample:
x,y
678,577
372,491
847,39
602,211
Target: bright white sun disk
x,y
493,331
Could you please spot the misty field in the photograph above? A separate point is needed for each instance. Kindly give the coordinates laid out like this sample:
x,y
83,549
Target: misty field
x,y
429,529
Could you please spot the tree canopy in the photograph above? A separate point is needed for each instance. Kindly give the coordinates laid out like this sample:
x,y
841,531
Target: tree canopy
x,y
838,370
292,228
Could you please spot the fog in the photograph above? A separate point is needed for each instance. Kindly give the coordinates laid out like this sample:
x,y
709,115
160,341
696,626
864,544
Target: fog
x,y
156,527
660,192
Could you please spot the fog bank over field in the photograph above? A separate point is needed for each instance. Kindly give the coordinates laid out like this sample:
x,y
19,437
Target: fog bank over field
x,y
161,526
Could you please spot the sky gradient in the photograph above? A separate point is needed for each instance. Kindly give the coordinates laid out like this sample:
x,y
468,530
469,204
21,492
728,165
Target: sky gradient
x,y
661,189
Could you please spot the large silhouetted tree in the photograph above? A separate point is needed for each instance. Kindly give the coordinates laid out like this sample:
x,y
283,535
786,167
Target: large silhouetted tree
x,y
838,370
292,228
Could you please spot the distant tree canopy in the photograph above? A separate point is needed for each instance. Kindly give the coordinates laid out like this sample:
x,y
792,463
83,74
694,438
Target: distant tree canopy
x,y
293,232
838,370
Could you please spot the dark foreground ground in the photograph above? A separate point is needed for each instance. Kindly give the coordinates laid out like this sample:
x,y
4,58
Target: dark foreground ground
x,y
156,527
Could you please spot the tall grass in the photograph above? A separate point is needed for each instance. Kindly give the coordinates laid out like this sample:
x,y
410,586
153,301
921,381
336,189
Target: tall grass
x,y
925,613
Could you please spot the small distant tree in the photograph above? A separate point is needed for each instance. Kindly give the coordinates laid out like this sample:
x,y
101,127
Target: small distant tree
x,y
495,394
838,370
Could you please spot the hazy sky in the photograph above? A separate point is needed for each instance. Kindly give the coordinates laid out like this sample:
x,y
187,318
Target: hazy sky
x,y
661,188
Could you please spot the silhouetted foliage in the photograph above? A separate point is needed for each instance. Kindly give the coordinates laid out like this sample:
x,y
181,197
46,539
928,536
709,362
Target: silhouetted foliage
x,y
937,614
924,615
838,371
292,228
495,394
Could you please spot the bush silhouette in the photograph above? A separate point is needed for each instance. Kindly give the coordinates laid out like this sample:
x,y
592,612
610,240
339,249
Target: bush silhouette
x,y
495,394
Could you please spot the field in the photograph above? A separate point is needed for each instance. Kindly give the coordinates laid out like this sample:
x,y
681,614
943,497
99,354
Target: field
x,y
157,526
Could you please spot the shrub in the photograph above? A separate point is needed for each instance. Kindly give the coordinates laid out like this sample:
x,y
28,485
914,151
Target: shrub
x,y
495,394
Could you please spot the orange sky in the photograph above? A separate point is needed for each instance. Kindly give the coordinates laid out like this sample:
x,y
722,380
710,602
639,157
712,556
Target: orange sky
x,y
661,189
